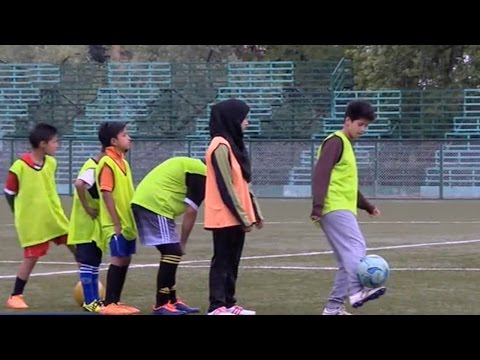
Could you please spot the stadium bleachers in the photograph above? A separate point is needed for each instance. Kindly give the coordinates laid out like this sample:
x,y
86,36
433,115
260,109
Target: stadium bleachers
x,y
19,87
288,100
132,87
259,84
467,125
455,165
301,174
387,106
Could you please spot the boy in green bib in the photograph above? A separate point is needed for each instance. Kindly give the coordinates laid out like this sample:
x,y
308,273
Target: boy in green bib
x,y
335,201
31,192
173,188
117,226
84,232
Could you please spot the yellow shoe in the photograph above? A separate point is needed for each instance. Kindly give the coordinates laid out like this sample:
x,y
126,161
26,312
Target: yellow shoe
x,y
94,306
16,302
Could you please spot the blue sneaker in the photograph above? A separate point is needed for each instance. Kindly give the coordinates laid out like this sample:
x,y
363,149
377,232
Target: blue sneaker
x,y
181,306
167,309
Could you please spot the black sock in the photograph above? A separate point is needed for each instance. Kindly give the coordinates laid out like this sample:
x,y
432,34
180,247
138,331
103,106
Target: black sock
x,y
166,279
173,294
115,279
19,286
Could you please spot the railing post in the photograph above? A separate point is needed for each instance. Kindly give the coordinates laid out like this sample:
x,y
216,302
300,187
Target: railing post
x,y
312,165
441,173
70,167
375,182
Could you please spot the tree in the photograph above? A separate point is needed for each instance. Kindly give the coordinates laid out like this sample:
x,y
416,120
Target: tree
x,y
415,66
304,52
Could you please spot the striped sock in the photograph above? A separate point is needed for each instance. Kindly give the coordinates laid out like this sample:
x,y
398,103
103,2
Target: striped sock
x,y
95,271
86,277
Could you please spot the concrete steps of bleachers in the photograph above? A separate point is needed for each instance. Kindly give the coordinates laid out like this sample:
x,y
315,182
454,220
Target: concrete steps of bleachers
x,y
68,164
302,173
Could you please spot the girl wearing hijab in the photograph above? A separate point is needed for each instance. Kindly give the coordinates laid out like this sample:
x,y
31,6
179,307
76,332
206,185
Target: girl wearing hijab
x,y
231,209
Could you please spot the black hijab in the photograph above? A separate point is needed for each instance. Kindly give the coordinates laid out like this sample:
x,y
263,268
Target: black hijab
x,y
225,119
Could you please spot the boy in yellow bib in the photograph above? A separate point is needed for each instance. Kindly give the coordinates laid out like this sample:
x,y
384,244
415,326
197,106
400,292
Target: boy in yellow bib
x,y
84,232
117,225
335,201
31,192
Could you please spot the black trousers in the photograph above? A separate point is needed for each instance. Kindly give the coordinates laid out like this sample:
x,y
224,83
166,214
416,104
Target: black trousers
x,y
227,250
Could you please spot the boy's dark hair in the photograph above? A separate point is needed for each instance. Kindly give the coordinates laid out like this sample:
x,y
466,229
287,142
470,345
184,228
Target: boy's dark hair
x,y
108,131
42,132
360,109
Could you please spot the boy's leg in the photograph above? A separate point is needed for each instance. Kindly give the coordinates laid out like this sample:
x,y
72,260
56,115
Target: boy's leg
x,y
30,258
89,256
348,244
159,231
169,260
339,291
62,240
166,299
116,275
121,250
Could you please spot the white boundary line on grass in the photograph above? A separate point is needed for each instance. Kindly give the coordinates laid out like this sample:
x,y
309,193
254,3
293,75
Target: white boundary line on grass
x,y
404,246
186,263
262,267
374,222
332,268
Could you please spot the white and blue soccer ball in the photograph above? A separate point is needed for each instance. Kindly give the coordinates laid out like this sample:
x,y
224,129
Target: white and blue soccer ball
x,y
373,271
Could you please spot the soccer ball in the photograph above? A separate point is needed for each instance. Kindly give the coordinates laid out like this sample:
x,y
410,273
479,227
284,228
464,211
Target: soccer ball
x,y
373,271
78,292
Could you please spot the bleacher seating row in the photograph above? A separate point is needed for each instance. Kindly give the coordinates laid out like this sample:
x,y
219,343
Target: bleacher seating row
x,y
455,165
130,90
302,173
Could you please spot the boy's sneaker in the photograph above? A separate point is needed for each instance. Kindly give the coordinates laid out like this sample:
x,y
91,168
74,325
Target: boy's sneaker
x,y
238,310
337,311
16,302
167,309
114,309
94,306
181,306
365,295
220,311
132,310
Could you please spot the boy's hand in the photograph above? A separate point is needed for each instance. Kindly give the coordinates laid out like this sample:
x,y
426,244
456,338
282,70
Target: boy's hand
x,y
375,213
118,229
316,220
182,249
93,213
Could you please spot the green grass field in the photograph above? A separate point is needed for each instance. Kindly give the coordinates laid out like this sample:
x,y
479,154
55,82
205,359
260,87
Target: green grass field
x,y
432,248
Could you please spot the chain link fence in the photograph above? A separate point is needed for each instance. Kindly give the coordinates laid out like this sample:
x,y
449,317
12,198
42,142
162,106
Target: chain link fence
x,y
394,169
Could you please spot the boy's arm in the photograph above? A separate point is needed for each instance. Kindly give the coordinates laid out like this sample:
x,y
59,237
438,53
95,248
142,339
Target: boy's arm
x,y
330,155
188,222
11,189
194,198
107,183
364,204
110,204
82,183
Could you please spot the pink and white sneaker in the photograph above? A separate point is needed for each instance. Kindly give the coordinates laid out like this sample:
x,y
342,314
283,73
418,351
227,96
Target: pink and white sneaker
x,y
220,311
238,310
